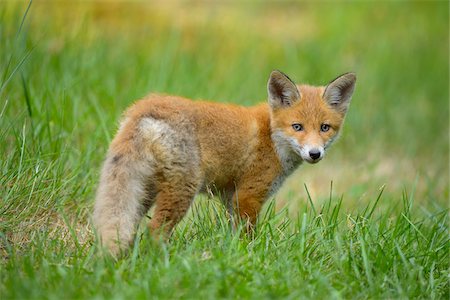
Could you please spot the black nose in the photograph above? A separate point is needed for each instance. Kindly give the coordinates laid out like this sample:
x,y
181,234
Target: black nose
x,y
314,154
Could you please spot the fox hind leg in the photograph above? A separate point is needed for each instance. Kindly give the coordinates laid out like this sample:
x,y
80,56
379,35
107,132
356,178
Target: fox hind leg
x,y
172,202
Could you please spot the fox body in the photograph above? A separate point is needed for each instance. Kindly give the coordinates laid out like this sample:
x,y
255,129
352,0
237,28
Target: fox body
x,y
168,149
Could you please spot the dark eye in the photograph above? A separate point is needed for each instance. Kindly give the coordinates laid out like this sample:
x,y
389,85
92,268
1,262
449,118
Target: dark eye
x,y
297,127
324,127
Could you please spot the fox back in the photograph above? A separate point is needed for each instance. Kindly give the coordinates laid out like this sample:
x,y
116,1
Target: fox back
x,y
168,149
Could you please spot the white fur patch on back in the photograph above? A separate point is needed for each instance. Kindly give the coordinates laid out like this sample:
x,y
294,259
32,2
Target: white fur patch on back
x,y
158,132
155,129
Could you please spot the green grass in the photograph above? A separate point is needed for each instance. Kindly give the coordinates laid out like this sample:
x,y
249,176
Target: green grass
x,y
69,69
315,256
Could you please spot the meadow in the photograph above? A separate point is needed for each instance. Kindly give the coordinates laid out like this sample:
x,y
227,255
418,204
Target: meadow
x,y
369,221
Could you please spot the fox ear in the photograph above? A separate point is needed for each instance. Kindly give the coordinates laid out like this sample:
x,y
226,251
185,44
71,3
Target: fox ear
x,y
338,92
282,91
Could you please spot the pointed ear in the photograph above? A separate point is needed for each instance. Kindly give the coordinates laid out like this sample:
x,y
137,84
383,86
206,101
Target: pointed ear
x,y
338,92
282,91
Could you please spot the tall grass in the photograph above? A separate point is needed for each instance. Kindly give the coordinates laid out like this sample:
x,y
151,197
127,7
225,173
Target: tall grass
x,y
70,68
322,253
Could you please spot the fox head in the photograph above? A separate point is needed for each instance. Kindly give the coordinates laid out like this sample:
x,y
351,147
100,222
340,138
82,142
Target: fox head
x,y
305,120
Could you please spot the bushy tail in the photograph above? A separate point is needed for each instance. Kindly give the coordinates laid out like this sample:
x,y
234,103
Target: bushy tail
x,y
119,204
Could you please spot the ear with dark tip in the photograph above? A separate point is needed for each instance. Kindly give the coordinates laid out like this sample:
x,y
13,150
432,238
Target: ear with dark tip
x,y
282,91
338,92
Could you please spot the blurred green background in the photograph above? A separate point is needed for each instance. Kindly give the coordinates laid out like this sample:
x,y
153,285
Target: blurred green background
x,y
75,66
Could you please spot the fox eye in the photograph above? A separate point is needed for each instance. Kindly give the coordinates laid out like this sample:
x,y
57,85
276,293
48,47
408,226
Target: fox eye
x,y
297,127
324,127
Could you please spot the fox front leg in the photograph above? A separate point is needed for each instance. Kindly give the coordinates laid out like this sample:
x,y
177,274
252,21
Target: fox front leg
x,y
247,204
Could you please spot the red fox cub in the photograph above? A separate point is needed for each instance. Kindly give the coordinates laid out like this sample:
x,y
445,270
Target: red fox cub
x,y
169,148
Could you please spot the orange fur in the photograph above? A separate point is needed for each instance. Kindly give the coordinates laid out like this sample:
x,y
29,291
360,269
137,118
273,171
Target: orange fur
x,y
169,148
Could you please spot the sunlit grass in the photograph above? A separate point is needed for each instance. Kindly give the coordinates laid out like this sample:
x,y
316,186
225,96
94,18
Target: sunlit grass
x,y
66,77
